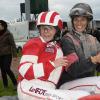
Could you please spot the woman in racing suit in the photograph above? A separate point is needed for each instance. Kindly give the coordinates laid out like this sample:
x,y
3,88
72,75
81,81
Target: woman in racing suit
x,y
42,62
85,46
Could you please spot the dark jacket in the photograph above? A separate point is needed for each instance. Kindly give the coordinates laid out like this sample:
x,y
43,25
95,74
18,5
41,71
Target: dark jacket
x,y
7,44
96,34
83,67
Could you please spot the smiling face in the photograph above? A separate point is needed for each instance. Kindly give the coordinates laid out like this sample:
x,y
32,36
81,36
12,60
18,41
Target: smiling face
x,y
80,23
47,32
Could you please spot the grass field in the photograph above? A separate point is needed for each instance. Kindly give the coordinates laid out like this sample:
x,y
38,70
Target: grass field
x,y
7,92
10,90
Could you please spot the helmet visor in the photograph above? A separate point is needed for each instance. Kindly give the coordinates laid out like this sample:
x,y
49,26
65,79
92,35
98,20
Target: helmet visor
x,y
79,12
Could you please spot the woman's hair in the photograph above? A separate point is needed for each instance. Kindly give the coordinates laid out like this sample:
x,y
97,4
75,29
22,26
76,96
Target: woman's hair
x,y
4,24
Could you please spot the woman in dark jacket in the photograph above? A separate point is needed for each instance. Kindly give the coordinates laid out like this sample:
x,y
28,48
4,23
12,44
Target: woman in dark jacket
x,y
84,45
7,51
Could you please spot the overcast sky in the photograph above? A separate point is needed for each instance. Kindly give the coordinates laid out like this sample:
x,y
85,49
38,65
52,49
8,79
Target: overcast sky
x,y
10,9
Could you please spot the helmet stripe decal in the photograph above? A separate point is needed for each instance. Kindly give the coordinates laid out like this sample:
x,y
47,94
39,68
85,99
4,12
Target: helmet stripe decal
x,y
50,18
53,17
60,23
43,17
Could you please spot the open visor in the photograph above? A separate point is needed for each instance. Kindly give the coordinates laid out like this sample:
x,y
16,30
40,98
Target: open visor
x,y
80,12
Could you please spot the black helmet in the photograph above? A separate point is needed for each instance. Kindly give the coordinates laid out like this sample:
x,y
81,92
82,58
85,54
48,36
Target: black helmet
x,y
81,9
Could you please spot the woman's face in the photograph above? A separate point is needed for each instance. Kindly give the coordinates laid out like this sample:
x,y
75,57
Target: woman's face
x,y
80,23
47,32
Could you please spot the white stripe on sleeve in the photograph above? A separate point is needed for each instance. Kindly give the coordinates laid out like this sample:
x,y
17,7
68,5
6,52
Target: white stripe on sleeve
x,y
29,58
52,63
24,68
38,70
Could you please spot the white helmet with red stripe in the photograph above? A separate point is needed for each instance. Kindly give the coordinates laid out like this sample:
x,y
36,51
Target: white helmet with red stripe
x,y
50,18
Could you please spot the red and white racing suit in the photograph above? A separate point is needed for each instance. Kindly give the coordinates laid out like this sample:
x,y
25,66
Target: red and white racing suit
x,y
38,75
37,61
